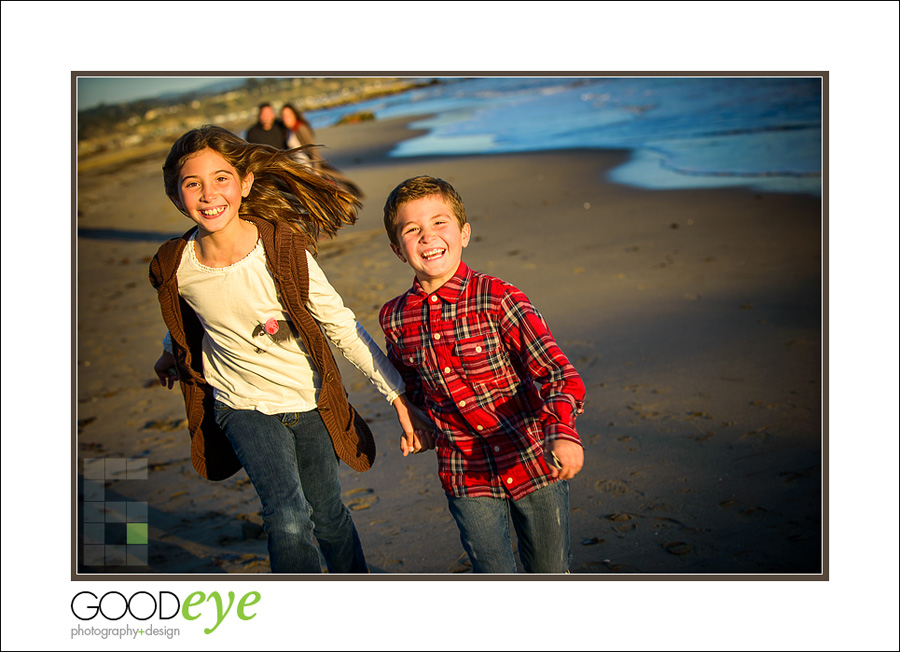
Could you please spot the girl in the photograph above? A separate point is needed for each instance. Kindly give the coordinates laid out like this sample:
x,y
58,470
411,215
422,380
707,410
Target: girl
x,y
248,312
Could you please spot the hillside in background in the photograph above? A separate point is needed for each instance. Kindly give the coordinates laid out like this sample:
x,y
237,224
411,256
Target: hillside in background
x,y
113,134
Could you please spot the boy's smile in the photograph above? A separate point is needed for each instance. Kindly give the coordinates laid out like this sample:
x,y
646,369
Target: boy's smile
x,y
211,191
431,240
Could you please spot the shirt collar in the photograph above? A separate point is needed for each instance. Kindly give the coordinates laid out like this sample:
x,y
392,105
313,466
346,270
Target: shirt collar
x,y
449,292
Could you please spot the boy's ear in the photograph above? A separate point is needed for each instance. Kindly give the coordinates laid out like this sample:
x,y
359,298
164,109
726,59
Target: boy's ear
x,y
246,184
397,251
465,234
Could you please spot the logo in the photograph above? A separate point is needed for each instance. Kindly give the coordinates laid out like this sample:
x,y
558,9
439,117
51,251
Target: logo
x,y
165,605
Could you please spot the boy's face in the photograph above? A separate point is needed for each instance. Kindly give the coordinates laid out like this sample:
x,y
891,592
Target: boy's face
x,y
430,240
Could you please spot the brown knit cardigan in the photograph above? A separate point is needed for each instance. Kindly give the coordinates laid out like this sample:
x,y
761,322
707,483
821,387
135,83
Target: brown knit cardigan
x,y
211,452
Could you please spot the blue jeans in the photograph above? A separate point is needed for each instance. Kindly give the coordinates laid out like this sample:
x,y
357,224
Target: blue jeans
x,y
291,462
541,520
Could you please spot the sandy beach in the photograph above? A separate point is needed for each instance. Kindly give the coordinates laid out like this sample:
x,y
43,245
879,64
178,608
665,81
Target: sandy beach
x,y
693,316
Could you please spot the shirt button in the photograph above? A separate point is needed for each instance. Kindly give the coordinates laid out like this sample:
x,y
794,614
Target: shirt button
x,y
462,404
477,349
446,370
433,298
496,449
479,427
412,359
437,336
509,481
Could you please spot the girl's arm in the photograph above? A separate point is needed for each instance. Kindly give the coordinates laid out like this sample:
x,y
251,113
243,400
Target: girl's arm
x,y
342,328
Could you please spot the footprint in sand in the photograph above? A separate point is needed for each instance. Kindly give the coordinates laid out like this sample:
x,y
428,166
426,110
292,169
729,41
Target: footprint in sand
x,y
616,487
166,425
677,547
461,565
360,499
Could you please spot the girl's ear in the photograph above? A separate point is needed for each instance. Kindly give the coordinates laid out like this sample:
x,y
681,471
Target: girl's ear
x,y
175,199
246,184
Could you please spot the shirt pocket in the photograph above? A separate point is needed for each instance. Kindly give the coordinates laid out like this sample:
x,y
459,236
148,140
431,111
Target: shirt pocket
x,y
413,357
482,358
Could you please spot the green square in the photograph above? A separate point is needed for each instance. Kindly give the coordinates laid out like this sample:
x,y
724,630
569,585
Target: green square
x,y
137,532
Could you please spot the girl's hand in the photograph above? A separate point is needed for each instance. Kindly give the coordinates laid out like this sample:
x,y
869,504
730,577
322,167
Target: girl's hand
x,y
418,431
165,370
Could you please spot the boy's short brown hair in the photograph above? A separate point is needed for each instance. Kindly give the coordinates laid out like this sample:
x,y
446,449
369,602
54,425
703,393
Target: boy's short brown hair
x,y
419,188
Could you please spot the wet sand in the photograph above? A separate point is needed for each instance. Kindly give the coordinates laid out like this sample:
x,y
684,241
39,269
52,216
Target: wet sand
x,y
693,316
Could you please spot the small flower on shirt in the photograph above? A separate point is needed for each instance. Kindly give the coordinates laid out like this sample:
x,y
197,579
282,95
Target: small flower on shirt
x,y
278,331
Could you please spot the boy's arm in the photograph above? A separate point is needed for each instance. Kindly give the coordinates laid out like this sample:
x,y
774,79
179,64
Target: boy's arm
x,y
528,339
411,380
413,402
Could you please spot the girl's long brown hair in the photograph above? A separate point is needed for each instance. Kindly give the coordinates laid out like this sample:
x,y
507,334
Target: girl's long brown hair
x,y
283,189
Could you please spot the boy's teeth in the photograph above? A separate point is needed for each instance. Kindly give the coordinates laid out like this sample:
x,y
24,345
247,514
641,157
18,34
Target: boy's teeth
x,y
432,253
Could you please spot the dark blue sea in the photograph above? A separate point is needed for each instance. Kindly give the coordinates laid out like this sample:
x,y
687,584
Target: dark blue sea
x,y
684,132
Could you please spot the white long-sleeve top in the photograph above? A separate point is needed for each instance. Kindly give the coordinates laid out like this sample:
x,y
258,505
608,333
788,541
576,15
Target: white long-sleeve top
x,y
252,355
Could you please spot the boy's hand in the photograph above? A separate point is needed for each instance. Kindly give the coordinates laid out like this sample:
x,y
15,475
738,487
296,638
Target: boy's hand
x,y
570,456
417,428
165,370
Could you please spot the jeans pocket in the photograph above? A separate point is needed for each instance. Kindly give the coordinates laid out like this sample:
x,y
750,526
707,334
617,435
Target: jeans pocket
x,y
290,419
220,410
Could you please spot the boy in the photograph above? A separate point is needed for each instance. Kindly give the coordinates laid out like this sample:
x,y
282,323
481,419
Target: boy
x,y
471,348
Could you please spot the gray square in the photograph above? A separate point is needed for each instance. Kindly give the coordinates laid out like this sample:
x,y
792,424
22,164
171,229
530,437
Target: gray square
x,y
115,555
93,555
94,534
115,468
136,512
95,468
94,491
136,468
115,512
93,512
137,555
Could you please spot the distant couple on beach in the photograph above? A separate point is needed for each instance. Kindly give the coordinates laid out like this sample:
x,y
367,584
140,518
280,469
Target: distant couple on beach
x,y
470,368
293,131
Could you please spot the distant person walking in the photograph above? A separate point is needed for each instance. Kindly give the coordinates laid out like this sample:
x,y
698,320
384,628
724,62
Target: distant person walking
x,y
299,133
267,130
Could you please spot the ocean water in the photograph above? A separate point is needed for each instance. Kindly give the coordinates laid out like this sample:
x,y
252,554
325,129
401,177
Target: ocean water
x,y
684,132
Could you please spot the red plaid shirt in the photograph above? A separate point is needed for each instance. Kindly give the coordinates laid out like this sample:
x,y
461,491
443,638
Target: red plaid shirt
x,y
471,354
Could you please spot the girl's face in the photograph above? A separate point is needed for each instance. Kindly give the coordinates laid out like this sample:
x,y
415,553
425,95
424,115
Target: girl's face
x,y
287,117
211,190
